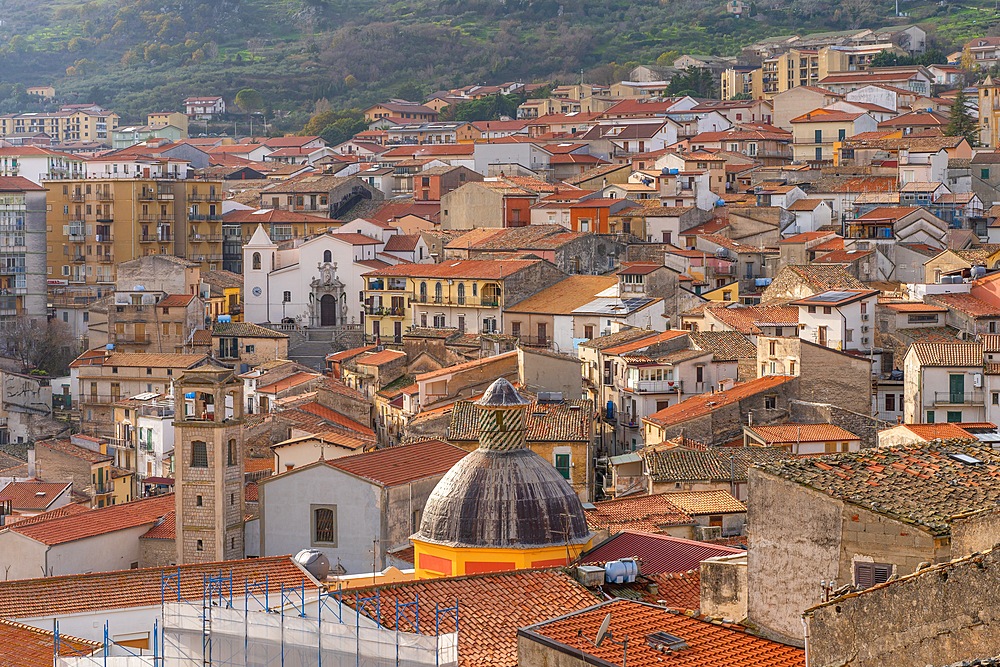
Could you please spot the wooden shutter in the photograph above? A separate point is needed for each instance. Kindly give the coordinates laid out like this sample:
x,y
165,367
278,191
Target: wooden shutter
x,y
863,575
881,573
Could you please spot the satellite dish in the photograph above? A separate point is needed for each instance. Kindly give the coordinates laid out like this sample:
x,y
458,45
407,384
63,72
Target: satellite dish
x,y
603,632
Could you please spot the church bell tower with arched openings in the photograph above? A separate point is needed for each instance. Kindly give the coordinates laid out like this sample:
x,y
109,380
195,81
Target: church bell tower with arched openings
x,y
208,465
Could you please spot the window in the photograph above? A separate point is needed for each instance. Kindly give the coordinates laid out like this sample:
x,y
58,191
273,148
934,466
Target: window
x,y
231,453
770,402
996,398
199,501
461,294
327,256
437,293
439,322
930,417
562,465
890,402
251,349
791,368
772,347
588,331
984,173
199,454
256,261
812,309
827,310
867,575
324,525
954,416
199,545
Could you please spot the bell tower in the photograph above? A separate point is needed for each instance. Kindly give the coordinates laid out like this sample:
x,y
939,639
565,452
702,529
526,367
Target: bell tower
x,y
208,465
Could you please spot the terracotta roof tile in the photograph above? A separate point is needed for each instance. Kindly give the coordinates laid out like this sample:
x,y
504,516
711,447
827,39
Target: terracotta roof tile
x,y
569,421
64,529
707,502
294,380
379,358
706,644
65,510
164,529
712,464
650,514
245,330
64,446
643,343
785,433
27,646
33,494
335,417
349,354
948,354
565,296
943,431
175,300
923,485
968,304
124,589
491,609
656,553
676,590
617,338
402,464
746,319
724,345
469,268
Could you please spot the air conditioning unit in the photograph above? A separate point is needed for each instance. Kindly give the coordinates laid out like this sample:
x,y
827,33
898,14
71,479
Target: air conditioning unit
x,y
864,341
704,533
864,329
864,317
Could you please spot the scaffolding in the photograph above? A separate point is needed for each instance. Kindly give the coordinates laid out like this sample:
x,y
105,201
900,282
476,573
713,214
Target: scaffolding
x,y
258,624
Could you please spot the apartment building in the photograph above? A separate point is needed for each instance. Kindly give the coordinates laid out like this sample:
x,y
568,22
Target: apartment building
x,y
98,223
100,378
70,123
39,164
22,248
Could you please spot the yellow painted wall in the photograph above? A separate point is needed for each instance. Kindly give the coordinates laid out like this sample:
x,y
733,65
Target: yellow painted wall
x,y
433,560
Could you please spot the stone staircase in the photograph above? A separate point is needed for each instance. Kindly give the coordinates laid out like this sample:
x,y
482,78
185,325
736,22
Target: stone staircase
x,y
309,347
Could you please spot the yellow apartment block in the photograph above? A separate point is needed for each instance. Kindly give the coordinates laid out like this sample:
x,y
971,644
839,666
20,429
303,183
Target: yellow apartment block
x,y
94,224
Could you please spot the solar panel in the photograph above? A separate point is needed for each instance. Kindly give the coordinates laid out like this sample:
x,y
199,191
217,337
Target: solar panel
x,y
832,297
966,459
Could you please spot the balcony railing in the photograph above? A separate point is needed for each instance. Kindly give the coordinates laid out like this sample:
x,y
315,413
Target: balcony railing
x,y
105,196
97,399
76,196
121,443
471,301
203,196
131,339
958,398
656,386
103,488
155,238
383,311
147,195
105,259
76,259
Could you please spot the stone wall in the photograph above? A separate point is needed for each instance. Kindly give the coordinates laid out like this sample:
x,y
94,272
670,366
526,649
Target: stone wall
x,y
724,587
529,281
939,616
157,553
850,387
861,425
974,532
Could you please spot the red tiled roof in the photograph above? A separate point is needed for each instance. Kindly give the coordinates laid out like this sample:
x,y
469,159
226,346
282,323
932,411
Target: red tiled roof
x,y
468,268
295,380
402,464
656,553
492,609
64,446
97,522
65,510
348,354
379,358
355,239
824,116
782,433
706,644
644,342
703,404
164,529
644,513
33,494
124,589
430,150
334,417
707,502
943,431
402,243
27,646
968,304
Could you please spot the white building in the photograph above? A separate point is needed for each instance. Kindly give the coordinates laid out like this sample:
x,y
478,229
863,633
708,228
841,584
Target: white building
x,y
313,282
842,320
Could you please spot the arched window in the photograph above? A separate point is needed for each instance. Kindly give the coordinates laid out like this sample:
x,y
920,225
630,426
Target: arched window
x,y
256,261
437,292
461,294
324,525
475,289
423,291
327,256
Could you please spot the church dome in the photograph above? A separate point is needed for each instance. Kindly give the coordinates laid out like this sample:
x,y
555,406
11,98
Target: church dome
x,y
503,495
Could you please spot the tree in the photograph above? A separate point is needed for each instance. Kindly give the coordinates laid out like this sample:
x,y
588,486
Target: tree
x,y
960,121
38,345
249,101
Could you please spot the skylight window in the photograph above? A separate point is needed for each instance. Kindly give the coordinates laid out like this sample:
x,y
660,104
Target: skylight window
x,y
966,459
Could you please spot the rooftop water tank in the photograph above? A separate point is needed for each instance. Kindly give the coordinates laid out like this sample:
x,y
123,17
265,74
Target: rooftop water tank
x,y
315,562
622,571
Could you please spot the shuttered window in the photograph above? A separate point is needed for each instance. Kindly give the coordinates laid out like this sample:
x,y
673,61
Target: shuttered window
x,y
867,575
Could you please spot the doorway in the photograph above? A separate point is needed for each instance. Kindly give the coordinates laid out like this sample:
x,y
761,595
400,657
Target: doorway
x,y
327,311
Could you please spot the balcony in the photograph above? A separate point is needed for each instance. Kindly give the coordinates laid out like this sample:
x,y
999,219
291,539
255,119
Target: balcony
x,y
656,386
204,217
383,311
104,238
131,339
147,195
77,259
97,399
103,488
155,238
105,259
121,443
105,196
77,235
466,301
76,197
203,196
958,398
